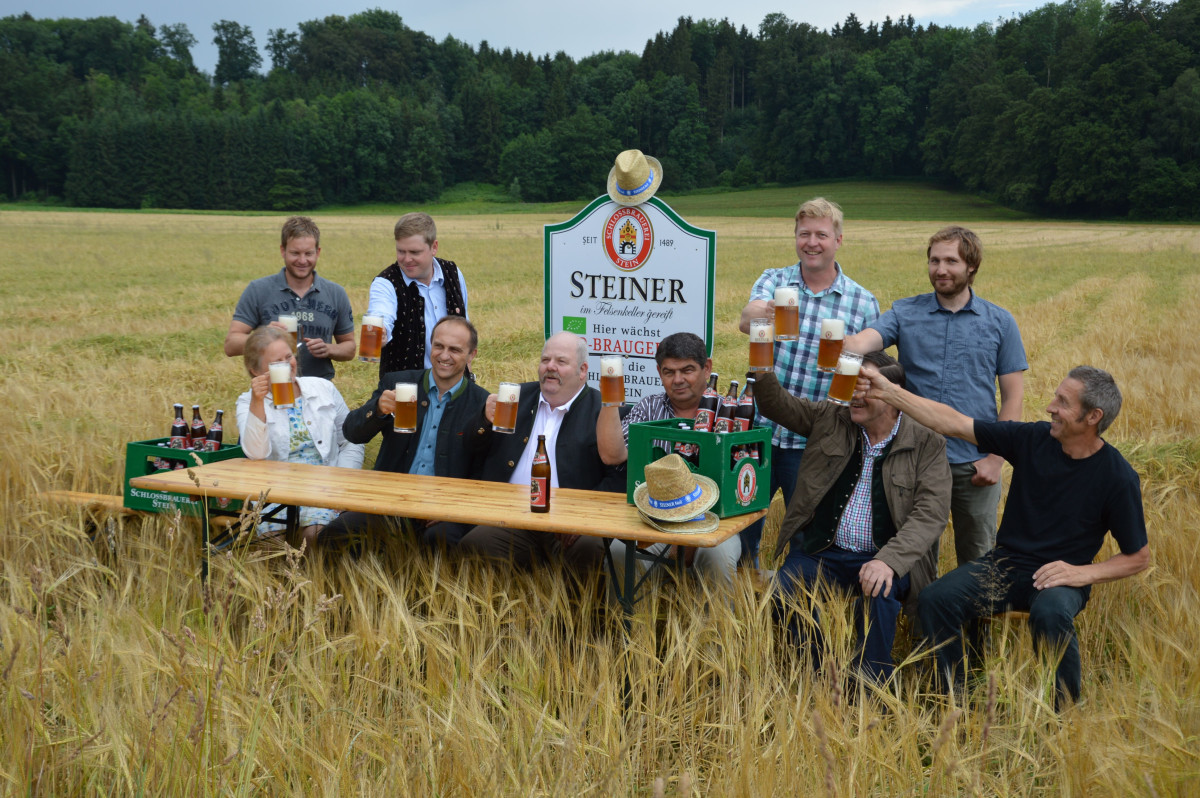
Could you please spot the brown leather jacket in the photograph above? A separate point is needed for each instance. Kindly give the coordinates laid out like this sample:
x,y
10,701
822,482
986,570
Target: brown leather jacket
x,y
916,479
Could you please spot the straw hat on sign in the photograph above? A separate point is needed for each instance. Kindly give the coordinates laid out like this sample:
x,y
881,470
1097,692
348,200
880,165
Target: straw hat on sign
x,y
634,178
673,493
697,526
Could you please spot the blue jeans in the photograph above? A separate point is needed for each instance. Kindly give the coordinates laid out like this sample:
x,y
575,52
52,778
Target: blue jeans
x,y
982,588
785,466
839,568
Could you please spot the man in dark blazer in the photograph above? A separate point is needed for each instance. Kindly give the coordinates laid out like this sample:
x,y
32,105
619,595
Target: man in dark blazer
x,y
448,405
561,406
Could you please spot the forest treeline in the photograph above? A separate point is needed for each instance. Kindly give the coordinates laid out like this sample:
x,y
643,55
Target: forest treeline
x,y
1076,108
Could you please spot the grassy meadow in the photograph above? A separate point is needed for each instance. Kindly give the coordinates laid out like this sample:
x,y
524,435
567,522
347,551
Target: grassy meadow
x,y
409,672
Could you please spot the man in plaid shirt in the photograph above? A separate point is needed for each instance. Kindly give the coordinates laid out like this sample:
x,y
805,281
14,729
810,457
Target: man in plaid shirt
x,y
683,366
871,502
825,293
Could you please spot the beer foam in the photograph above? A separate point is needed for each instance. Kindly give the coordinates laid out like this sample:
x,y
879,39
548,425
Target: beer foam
x,y
762,330
833,329
612,366
787,295
509,392
372,321
280,372
406,392
289,322
849,364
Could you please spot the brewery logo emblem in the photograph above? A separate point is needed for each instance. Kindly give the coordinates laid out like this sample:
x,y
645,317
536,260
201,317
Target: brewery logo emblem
x,y
628,238
747,483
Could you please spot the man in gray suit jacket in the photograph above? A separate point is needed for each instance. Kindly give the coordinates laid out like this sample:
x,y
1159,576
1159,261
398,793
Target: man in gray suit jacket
x,y
561,406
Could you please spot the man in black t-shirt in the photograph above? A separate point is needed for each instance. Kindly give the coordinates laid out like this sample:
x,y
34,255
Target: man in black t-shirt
x,y
1069,488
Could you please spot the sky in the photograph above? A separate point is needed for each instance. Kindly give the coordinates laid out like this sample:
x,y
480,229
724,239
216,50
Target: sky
x,y
535,26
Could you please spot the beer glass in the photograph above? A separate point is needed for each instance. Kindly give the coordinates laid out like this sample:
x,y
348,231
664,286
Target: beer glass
x,y
833,333
404,417
787,313
292,325
283,392
762,345
507,399
612,380
845,377
370,340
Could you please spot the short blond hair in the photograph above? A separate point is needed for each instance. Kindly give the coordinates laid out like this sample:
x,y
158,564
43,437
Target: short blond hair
x,y
256,344
417,224
821,208
299,227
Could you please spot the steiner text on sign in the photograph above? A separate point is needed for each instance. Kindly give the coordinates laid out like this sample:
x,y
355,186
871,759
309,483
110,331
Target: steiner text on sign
x,y
625,277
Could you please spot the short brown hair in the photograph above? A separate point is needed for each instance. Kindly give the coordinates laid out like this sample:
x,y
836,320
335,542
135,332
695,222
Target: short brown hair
x,y
888,366
417,224
257,343
970,248
465,322
821,208
299,227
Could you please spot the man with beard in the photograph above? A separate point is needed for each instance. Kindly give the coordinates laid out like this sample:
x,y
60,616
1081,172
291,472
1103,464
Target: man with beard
x,y
955,346
561,406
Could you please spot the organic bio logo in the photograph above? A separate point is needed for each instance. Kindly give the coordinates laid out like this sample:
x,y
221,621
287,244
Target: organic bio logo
x,y
628,238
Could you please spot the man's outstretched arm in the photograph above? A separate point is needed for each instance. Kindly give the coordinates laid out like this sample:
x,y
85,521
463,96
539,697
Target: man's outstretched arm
x,y
940,418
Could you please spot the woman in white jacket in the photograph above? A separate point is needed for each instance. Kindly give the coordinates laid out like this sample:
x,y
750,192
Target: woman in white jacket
x,y
308,432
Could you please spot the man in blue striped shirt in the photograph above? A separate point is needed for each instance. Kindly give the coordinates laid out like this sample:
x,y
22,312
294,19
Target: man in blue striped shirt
x,y
825,293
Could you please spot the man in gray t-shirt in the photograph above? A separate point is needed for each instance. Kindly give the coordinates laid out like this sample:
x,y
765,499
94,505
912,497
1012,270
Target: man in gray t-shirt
x,y
321,307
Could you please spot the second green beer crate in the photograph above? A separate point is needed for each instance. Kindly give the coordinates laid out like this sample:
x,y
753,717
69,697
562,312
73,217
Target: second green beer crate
x,y
744,484
143,458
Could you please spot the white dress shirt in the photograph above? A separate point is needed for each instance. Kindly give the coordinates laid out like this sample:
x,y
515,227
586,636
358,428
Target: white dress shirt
x,y
548,422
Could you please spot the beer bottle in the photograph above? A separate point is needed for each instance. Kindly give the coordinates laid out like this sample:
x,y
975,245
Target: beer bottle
x,y
710,400
688,451
180,435
745,409
215,433
725,417
539,479
199,431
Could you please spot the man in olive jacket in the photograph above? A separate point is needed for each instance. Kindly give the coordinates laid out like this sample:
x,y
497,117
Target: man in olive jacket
x,y
871,499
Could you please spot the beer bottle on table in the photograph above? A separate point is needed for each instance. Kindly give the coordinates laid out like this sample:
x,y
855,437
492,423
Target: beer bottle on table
x,y
539,479
199,431
745,409
215,433
180,434
710,400
725,417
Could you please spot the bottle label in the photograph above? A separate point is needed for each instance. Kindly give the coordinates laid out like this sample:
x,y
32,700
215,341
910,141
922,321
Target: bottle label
x,y
179,442
212,446
723,425
703,421
539,494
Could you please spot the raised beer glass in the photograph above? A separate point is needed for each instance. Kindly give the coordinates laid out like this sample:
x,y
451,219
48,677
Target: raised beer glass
x,y
833,333
507,398
612,380
845,377
787,313
370,340
292,325
404,417
762,345
283,392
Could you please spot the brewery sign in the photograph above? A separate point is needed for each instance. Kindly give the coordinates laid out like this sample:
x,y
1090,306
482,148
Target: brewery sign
x,y
625,277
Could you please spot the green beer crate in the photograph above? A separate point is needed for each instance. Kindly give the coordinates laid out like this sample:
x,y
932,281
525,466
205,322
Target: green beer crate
x,y
141,458
745,484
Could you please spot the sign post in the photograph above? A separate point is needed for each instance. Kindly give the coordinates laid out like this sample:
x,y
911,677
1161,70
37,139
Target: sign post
x,y
625,277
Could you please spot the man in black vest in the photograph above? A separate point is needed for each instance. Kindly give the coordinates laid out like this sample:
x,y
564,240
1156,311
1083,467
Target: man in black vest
x,y
448,405
413,293
871,498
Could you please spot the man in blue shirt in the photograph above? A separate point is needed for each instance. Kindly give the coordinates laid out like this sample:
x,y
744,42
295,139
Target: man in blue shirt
x,y
447,404
955,346
825,293
1069,488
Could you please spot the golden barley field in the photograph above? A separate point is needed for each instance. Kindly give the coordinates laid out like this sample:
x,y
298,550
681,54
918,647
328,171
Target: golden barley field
x,y
410,672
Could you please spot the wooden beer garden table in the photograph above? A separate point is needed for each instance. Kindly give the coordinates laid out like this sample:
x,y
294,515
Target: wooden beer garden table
x,y
469,501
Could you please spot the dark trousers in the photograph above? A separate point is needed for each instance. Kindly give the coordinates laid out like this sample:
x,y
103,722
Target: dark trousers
x,y
982,588
838,569
785,465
